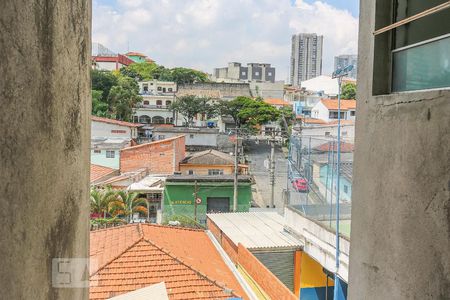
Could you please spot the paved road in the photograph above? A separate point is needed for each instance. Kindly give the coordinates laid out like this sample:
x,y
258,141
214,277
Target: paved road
x,y
257,153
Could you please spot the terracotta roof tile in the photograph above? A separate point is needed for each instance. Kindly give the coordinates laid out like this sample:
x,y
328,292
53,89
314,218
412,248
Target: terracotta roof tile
x,y
311,120
135,256
333,104
116,122
345,147
276,101
98,172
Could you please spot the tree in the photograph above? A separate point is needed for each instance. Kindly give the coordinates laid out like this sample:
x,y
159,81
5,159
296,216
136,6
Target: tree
x,y
287,116
99,107
190,106
126,204
101,199
140,71
348,91
248,112
123,97
103,81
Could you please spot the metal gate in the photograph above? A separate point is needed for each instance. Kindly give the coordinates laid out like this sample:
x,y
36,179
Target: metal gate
x,y
217,204
279,262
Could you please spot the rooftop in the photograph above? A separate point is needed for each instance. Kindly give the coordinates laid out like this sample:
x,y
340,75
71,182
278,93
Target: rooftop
x,y
209,157
98,172
115,122
255,229
276,101
324,84
332,104
135,256
182,130
153,143
325,147
208,178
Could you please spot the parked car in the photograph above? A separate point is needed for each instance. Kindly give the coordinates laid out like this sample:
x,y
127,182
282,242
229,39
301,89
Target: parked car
x,y
300,185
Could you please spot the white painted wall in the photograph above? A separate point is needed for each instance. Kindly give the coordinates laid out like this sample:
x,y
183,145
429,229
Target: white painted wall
x,y
105,130
320,243
347,131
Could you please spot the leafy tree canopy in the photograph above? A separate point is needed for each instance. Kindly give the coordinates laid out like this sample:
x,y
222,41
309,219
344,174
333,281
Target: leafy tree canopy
x,y
190,106
248,112
103,81
348,91
123,97
140,71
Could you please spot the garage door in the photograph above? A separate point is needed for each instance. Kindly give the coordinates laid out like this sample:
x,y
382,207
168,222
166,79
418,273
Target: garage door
x,y
217,204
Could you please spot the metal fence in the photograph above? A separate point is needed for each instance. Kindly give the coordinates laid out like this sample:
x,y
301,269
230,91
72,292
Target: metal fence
x,y
312,179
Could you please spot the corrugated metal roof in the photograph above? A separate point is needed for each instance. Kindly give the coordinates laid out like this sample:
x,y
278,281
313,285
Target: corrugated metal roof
x,y
255,229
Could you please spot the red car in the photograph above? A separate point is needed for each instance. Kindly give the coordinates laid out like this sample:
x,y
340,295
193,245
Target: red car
x,y
300,185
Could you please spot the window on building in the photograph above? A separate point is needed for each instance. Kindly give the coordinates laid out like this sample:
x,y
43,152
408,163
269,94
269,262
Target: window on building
x,y
327,133
168,103
191,136
345,189
161,137
191,172
146,103
215,172
159,88
97,151
110,154
169,90
164,90
145,87
158,103
352,113
344,133
334,115
415,53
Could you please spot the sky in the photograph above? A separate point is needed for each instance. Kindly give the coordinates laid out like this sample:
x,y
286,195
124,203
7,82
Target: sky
x,y
205,34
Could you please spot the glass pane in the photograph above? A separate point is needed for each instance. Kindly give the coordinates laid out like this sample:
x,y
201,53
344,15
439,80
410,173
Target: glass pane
x,y
422,29
426,66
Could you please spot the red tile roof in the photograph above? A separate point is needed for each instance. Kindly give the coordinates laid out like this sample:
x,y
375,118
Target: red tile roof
x,y
333,104
345,147
135,256
311,120
98,172
276,101
135,54
343,122
116,122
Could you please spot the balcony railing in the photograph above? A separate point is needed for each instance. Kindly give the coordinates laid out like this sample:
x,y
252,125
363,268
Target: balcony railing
x,y
153,106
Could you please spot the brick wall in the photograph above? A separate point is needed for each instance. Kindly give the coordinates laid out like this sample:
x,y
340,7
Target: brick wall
x,y
160,157
228,246
265,279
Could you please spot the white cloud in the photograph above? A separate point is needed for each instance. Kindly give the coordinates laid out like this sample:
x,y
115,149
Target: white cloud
x,y
204,34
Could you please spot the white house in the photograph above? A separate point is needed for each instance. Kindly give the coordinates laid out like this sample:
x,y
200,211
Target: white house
x,y
157,98
109,128
327,110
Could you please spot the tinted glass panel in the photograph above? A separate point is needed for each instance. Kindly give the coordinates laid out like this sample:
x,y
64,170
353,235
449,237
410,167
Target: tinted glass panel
x,y
425,66
422,29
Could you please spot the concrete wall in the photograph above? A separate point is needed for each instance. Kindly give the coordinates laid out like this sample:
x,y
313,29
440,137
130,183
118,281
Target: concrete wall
x,y
192,137
320,242
44,143
401,207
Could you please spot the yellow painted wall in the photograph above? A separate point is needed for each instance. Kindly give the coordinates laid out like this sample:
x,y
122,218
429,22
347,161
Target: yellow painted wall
x,y
203,169
312,275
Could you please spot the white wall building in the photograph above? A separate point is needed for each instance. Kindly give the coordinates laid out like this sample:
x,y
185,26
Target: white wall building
x,y
109,128
157,99
327,110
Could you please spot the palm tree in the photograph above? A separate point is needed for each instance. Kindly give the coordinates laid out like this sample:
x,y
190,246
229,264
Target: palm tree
x,y
100,200
126,204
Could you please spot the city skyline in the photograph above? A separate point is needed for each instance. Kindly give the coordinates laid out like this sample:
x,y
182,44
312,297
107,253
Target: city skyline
x,y
207,34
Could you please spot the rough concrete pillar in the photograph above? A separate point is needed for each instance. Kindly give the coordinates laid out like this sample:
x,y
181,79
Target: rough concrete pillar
x,y
400,242
44,142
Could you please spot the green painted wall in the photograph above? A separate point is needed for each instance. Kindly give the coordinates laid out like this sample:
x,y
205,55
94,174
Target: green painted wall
x,y
179,199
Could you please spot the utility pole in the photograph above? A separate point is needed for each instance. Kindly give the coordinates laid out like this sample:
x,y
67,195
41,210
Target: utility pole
x,y
339,73
272,171
195,200
236,167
